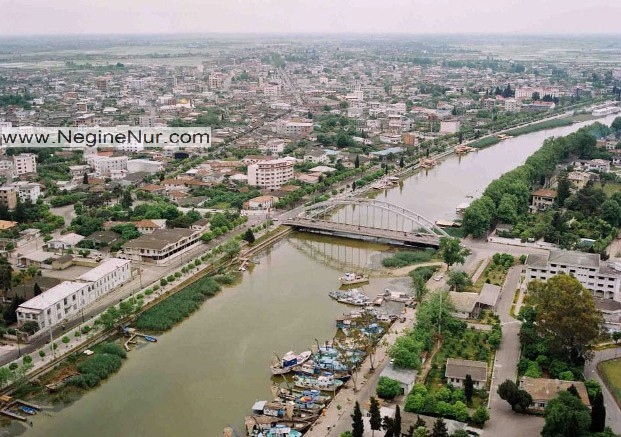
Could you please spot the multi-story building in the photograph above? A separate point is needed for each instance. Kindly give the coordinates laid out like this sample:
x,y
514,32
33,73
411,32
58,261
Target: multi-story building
x,y
159,246
542,200
216,80
274,146
26,190
107,276
512,105
294,128
69,297
270,174
8,197
24,163
601,279
104,165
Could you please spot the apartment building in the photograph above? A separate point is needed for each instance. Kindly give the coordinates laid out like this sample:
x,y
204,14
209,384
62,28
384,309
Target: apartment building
x,y
26,190
104,165
601,279
107,276
293,128
270,174
24,163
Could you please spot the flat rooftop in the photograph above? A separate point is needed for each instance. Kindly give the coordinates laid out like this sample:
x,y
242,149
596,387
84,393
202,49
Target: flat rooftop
x,y
53,295
104,268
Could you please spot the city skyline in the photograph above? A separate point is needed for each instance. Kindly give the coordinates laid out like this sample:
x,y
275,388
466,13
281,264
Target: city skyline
x,y
32,17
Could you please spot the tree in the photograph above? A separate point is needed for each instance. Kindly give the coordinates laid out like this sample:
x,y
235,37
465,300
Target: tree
x,y
480,415
459,280
357,162
42,354
126,200
376,419
27,359
388,424
248,236
6,274
611,213
37,289
452,251
478,216
563,190
566,415
401,162
468,388
566,315
357,426
396,427
598,413
419,286
519,399
616,336
388,388
439,428
66,340
508,209
85,179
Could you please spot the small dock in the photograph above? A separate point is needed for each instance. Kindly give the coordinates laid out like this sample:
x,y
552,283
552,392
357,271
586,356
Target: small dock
x,y
7,410
132,339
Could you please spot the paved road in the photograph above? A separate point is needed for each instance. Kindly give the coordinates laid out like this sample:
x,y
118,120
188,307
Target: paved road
x,y
504,422
613,413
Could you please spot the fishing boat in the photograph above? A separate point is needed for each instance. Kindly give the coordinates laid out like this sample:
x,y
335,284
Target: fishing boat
x,y
265,426
351,297
353,278
291,394
28,410
288,362
325,382
310,368
150,338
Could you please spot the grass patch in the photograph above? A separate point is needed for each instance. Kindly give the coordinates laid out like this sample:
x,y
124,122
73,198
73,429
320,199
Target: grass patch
x,y
609,188
548,124
455,232
177,307
403,259
495,272
485,142
611,374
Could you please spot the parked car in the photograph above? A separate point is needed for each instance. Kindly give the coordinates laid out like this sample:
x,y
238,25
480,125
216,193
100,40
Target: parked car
x,y
439,277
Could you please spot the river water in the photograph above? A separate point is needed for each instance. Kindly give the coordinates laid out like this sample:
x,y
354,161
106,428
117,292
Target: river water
x,y
207,372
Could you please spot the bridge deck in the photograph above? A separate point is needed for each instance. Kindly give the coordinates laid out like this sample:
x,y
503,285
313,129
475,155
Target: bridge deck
x,y
353,231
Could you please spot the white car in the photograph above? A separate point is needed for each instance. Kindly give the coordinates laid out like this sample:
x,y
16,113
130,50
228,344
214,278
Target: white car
x,y
439,277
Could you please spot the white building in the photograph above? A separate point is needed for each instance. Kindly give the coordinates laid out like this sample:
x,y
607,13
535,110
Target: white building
x,y
54,305
296,127
129,147
512,105
64,242
26,190
144,165
270,174
107,276
68,298
104,165
603,281
24,163
274,146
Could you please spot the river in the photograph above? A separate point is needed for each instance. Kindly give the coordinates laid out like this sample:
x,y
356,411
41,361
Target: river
x,y
207,372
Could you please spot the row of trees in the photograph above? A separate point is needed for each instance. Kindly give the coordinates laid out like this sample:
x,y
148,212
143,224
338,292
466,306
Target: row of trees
x,y
507,198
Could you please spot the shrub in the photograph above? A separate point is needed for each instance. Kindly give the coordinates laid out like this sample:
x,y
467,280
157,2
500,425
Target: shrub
x,y
566,376
163,282
148,292
388,388
101,365
177,307
113,349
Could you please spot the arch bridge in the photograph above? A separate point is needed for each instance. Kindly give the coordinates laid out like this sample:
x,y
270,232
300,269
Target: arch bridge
x,y
368,219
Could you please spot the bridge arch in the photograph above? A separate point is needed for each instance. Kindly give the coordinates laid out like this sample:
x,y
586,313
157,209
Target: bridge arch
x,y
418,222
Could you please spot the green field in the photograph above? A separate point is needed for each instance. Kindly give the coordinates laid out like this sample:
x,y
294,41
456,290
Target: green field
x,y
609,188
611,374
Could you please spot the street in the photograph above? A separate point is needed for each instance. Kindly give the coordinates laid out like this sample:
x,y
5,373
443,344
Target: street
x,y
613,413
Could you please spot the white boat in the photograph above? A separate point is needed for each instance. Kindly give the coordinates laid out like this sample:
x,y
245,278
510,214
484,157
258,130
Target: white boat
x,y
353,278
289,361
322,382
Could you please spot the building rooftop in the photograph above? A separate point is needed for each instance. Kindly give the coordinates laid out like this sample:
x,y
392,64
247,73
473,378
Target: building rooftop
x,y
545,193
405,376
542,389
159,239
489,295
460,368
104,268
464,302
53,295
582,259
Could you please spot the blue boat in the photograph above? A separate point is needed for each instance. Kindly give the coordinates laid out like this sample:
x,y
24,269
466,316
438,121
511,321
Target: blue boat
x,y
149,338
28,410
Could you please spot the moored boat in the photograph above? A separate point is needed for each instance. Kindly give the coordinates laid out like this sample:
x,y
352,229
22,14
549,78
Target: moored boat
x,y
323,382
288,362
353,278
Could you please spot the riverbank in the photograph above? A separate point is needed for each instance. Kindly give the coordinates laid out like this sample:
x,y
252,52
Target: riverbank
x,y
218,358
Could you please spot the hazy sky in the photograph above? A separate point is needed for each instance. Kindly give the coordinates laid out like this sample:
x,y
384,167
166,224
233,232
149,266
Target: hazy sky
x,y
18,17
